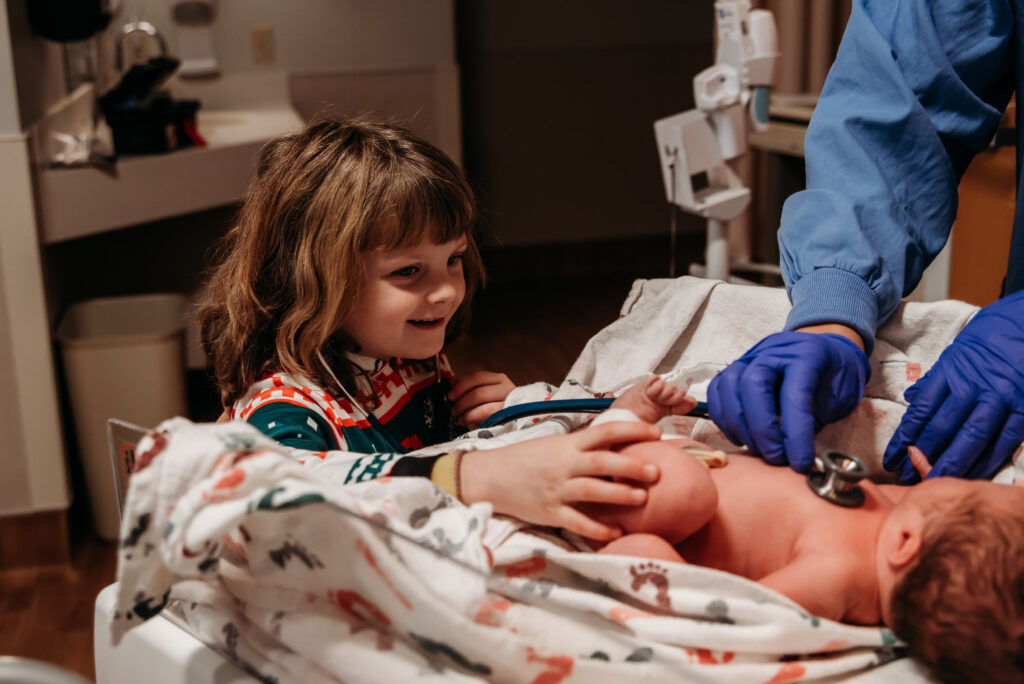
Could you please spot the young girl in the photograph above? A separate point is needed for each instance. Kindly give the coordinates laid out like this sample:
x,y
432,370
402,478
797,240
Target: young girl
x,y
351,264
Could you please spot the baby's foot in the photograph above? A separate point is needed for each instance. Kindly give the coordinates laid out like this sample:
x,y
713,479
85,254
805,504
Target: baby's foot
x,y
653,398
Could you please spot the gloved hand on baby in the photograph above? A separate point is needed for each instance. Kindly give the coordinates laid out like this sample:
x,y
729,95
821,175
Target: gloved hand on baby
x,y
966,414
790,385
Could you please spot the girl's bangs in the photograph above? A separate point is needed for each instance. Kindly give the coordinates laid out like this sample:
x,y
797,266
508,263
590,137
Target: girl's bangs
x,y
433,218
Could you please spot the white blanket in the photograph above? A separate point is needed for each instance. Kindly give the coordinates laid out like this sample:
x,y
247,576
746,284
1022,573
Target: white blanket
x,y
272,565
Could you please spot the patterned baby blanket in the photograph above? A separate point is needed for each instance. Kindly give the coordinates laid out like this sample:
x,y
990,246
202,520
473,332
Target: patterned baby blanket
x,y
302,579
392,580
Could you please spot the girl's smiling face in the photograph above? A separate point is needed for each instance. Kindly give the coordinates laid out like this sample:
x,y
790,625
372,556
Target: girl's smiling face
x,y
408,296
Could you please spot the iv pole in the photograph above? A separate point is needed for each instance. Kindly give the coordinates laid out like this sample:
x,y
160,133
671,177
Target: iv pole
x,y
695,145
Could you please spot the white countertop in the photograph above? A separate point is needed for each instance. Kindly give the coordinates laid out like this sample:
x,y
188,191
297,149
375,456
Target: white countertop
x,y
237,116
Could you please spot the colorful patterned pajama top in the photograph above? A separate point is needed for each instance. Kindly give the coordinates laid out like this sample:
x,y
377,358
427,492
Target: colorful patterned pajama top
x,y
408,398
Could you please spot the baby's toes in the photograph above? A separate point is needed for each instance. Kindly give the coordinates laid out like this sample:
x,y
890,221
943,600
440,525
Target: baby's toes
x,y
655,388
683,406
673,394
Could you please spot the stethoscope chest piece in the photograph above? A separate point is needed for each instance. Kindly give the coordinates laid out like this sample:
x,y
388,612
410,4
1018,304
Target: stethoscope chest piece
x,y
835,478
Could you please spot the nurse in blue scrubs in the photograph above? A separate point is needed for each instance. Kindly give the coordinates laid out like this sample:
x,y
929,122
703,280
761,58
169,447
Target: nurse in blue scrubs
x,y
916,90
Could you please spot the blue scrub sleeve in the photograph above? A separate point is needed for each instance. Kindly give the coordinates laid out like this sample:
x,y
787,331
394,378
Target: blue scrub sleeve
x,y
916,91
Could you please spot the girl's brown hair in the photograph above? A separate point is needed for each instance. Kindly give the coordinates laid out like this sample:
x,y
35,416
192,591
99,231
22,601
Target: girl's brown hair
x,y
291,266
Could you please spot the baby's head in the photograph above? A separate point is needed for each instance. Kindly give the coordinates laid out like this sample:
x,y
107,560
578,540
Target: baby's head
x,y
293,266
951,575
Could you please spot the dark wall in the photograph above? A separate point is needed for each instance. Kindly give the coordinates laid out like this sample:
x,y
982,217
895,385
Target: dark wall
x,y
559,101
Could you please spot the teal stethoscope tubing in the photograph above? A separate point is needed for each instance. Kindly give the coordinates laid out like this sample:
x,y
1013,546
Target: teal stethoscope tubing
x,y
533,408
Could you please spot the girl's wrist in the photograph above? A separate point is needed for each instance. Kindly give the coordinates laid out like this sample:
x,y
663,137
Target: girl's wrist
x,y
473,477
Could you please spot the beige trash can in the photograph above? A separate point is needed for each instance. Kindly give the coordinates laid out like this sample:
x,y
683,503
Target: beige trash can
x,y
123,358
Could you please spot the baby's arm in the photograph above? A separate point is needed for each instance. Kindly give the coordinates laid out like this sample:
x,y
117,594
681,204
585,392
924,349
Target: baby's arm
x,y
819,583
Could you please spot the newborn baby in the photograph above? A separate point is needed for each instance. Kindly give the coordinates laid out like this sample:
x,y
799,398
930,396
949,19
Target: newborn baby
x,y
941,562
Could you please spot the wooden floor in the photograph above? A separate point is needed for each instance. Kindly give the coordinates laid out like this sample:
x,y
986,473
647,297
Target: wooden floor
x,y
531,331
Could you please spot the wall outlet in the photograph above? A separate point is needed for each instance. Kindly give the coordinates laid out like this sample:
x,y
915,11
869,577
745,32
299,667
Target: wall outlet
x,y
261,45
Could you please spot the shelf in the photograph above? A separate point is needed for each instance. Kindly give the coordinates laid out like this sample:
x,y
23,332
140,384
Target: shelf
x,y
75,202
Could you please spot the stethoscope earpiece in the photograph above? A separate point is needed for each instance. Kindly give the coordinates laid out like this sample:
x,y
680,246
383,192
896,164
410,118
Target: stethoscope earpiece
x,y
835,477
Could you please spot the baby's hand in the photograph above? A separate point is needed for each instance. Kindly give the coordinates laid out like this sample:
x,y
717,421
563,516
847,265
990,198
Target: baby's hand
x,y
653,398
539,480
477,395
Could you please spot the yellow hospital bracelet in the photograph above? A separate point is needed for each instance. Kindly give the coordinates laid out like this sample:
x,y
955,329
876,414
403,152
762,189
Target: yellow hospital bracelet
x,y
445,473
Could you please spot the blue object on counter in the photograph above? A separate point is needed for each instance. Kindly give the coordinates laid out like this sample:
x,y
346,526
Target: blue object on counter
x,y
533,408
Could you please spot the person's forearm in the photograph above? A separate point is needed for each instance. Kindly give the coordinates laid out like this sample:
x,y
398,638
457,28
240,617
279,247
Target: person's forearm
x,y
893,130
836,329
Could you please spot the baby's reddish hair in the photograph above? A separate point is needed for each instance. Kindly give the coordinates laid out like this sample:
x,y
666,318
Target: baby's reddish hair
x,y
960,608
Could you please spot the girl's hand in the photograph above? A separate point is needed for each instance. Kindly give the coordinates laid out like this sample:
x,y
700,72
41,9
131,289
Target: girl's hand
x,y
478,395
538,480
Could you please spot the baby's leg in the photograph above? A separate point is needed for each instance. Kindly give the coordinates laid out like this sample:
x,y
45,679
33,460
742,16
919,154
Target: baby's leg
x,y
682,501
653,398
644,546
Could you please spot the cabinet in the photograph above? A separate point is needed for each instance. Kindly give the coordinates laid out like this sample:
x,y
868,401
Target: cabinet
x,y
984,222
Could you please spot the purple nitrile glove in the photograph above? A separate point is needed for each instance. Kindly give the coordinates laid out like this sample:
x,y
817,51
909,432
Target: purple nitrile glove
x,y
967,413
778,395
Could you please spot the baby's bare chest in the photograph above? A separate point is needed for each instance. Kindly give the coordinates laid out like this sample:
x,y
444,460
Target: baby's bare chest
x,y
766,518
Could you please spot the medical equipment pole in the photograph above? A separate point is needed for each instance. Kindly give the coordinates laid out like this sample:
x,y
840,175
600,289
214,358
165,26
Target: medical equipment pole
x,y
730,96
716,254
